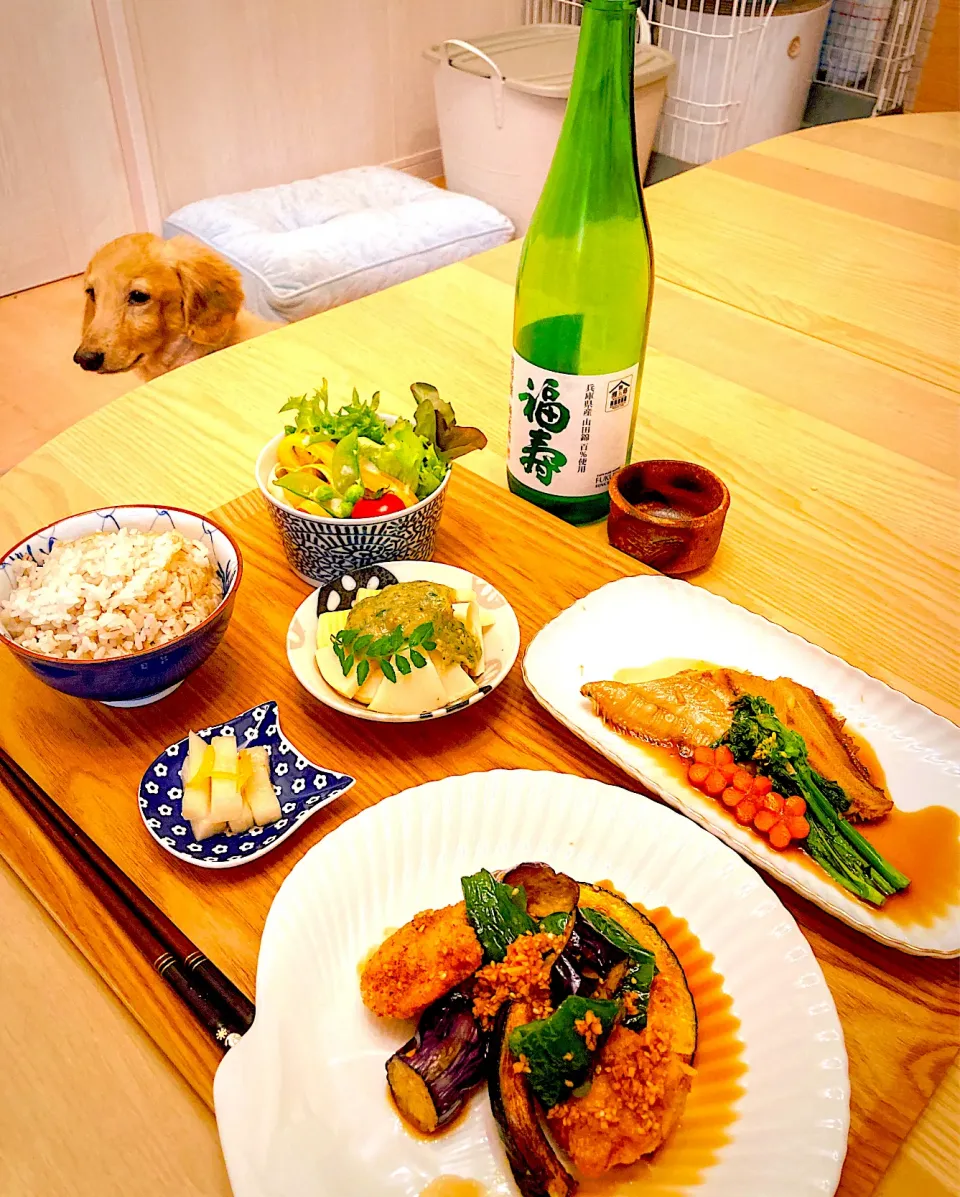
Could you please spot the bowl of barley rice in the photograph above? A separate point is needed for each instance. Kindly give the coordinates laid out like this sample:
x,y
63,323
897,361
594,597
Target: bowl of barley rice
x,y
121,604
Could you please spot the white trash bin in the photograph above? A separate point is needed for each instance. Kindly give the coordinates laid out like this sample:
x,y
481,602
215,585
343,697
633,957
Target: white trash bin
x,y
501,101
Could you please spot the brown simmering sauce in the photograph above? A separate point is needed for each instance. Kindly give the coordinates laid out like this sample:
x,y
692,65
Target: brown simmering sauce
x,y
711,1108
925,845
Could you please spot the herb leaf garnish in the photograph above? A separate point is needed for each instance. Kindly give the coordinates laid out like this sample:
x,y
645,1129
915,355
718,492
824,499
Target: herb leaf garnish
x,y
394,652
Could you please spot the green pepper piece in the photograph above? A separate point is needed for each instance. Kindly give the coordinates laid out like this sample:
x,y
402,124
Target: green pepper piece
x,y
303,483
345,466
556,1053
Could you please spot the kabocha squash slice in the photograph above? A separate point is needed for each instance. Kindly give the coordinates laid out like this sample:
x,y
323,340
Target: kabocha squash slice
x,y
682,1013
548,892
535,1165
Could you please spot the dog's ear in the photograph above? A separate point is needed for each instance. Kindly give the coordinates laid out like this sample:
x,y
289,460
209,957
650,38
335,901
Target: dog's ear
x,y
212,293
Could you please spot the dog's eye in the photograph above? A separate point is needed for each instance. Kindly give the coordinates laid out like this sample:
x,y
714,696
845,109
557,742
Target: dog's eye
x,y
138,297
90,294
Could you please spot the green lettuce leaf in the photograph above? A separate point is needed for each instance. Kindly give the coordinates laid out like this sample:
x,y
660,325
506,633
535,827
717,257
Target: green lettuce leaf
x,y
432,473
314,416
400,456
436,423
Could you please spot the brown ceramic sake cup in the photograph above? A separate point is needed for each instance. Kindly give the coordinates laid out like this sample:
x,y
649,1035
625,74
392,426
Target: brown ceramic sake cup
x,y
667,514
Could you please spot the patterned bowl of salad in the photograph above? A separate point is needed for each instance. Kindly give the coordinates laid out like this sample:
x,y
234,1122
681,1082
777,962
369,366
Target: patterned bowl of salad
x,y
349,487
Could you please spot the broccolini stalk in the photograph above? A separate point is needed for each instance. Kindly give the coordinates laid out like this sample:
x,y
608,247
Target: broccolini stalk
x,y
756,734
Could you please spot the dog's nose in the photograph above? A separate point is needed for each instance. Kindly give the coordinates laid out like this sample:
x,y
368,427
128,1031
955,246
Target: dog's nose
x,y
88,359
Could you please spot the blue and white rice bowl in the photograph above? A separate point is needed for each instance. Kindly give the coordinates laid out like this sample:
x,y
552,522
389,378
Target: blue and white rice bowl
x,y
139,678
320,548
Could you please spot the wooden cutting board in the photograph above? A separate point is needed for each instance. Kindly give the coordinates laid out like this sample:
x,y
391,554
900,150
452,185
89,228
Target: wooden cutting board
x,y
899,1012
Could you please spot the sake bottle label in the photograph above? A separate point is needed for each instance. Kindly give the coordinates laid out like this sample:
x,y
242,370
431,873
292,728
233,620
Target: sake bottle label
x,y
569,433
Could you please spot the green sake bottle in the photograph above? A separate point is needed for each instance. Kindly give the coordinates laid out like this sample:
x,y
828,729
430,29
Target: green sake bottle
x,y
584,288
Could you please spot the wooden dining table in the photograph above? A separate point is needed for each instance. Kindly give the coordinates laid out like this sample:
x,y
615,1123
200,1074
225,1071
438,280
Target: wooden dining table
x,y
805,345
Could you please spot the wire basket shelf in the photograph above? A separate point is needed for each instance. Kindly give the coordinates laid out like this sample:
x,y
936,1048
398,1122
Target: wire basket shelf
x,y
869,49
716,45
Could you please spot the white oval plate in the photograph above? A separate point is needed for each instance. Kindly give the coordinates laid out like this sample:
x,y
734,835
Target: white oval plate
x,y
301,1100
636,621
501,643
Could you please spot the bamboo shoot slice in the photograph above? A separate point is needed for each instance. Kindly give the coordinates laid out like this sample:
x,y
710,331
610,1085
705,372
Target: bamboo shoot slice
x,y
226,802
370,686
204,828
456,682
328,624
469,613
332,672
419,690
196,801
259,792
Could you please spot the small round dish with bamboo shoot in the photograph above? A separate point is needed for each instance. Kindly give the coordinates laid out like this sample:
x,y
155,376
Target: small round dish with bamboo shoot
x,y
403,641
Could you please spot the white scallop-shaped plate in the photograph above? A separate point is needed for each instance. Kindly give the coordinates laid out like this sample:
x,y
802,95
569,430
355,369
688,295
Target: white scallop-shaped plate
x,y
637,621
501,642
301,1100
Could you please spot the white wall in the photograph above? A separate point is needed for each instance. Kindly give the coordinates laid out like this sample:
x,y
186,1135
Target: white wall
x,y
63,191
245,93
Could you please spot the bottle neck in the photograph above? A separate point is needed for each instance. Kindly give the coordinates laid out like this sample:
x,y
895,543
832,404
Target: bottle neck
x,y
597,144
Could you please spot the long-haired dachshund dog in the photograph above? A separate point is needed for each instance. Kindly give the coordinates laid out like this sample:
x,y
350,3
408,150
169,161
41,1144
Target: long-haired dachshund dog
x,y
153,305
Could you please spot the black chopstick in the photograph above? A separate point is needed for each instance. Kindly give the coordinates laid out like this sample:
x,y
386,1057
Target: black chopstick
x,y
216,1002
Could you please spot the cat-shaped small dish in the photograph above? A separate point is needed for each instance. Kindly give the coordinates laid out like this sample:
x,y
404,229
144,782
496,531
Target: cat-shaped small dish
x,y
302,789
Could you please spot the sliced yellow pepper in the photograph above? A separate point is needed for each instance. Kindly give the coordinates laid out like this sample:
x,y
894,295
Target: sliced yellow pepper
x,y
374,479
291,452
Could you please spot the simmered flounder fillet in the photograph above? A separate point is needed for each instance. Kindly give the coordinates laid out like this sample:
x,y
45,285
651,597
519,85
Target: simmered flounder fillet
x,y
686,711
693,709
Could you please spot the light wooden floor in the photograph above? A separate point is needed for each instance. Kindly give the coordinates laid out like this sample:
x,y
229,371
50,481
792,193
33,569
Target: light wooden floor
x,y
42,391
88,1106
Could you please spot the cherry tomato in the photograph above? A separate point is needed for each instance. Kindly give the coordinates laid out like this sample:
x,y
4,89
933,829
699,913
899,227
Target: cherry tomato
x,y
366,509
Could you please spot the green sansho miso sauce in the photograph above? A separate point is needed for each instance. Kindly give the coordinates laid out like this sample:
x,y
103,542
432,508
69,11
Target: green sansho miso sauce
x,y
409,604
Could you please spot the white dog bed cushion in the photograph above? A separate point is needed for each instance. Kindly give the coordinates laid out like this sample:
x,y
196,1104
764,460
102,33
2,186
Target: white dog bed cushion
x,y
306,246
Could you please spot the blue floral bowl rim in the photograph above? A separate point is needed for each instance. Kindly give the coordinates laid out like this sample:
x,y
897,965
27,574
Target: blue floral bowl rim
x,y
30,655
261,473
